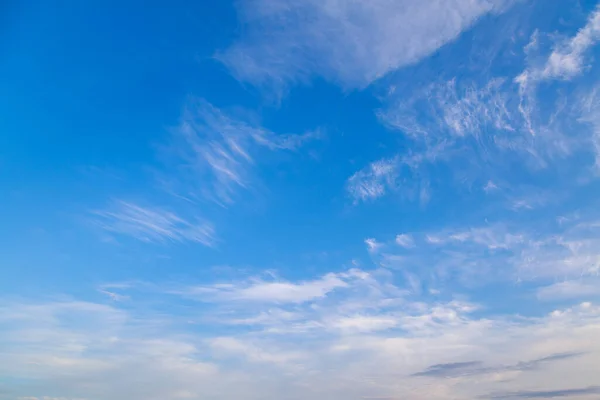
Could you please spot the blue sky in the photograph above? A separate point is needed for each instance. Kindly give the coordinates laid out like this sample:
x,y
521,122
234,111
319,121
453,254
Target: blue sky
x,y
297,199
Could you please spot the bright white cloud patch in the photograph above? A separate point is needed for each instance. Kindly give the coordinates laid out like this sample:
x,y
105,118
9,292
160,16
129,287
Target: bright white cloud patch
x,y
349,42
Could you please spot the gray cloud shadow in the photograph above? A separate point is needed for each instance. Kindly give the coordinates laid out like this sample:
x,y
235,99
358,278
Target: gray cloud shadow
x,y
453,370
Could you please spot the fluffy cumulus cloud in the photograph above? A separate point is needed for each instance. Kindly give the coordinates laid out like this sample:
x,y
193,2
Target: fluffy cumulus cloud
x,y
348,42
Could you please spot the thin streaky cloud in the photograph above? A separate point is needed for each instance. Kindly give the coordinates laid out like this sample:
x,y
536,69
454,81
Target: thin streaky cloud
x,y
214,153
153,224
546,394
114,296
278,291
566,61
373,181
373,245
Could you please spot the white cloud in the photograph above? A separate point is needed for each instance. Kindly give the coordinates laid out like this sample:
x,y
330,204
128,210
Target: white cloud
x,y
214,152
496,237
364,323
445,122
405,240
453,110
384,176
471,130
49,398
574,289
253,352
473,127
503,252
278,291
564,62
153,224
567,60
349,42
490,187
436,350
114,296
373,181
372,244
432,239
590,108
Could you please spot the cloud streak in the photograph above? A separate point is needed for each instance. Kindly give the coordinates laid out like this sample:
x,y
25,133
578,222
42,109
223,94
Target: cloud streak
x,y
541,394
152,224
214,153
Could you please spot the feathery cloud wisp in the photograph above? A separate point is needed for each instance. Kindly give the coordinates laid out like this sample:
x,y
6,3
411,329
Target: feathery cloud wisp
x,y
215,152
152,224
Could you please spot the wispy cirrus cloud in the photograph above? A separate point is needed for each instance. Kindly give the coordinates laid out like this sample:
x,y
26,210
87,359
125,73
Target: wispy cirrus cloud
x,y
290,40
472,125
590,107
214,153
372,245
561,258
444,122
405,240
153,224
277,291
373,181
453,110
